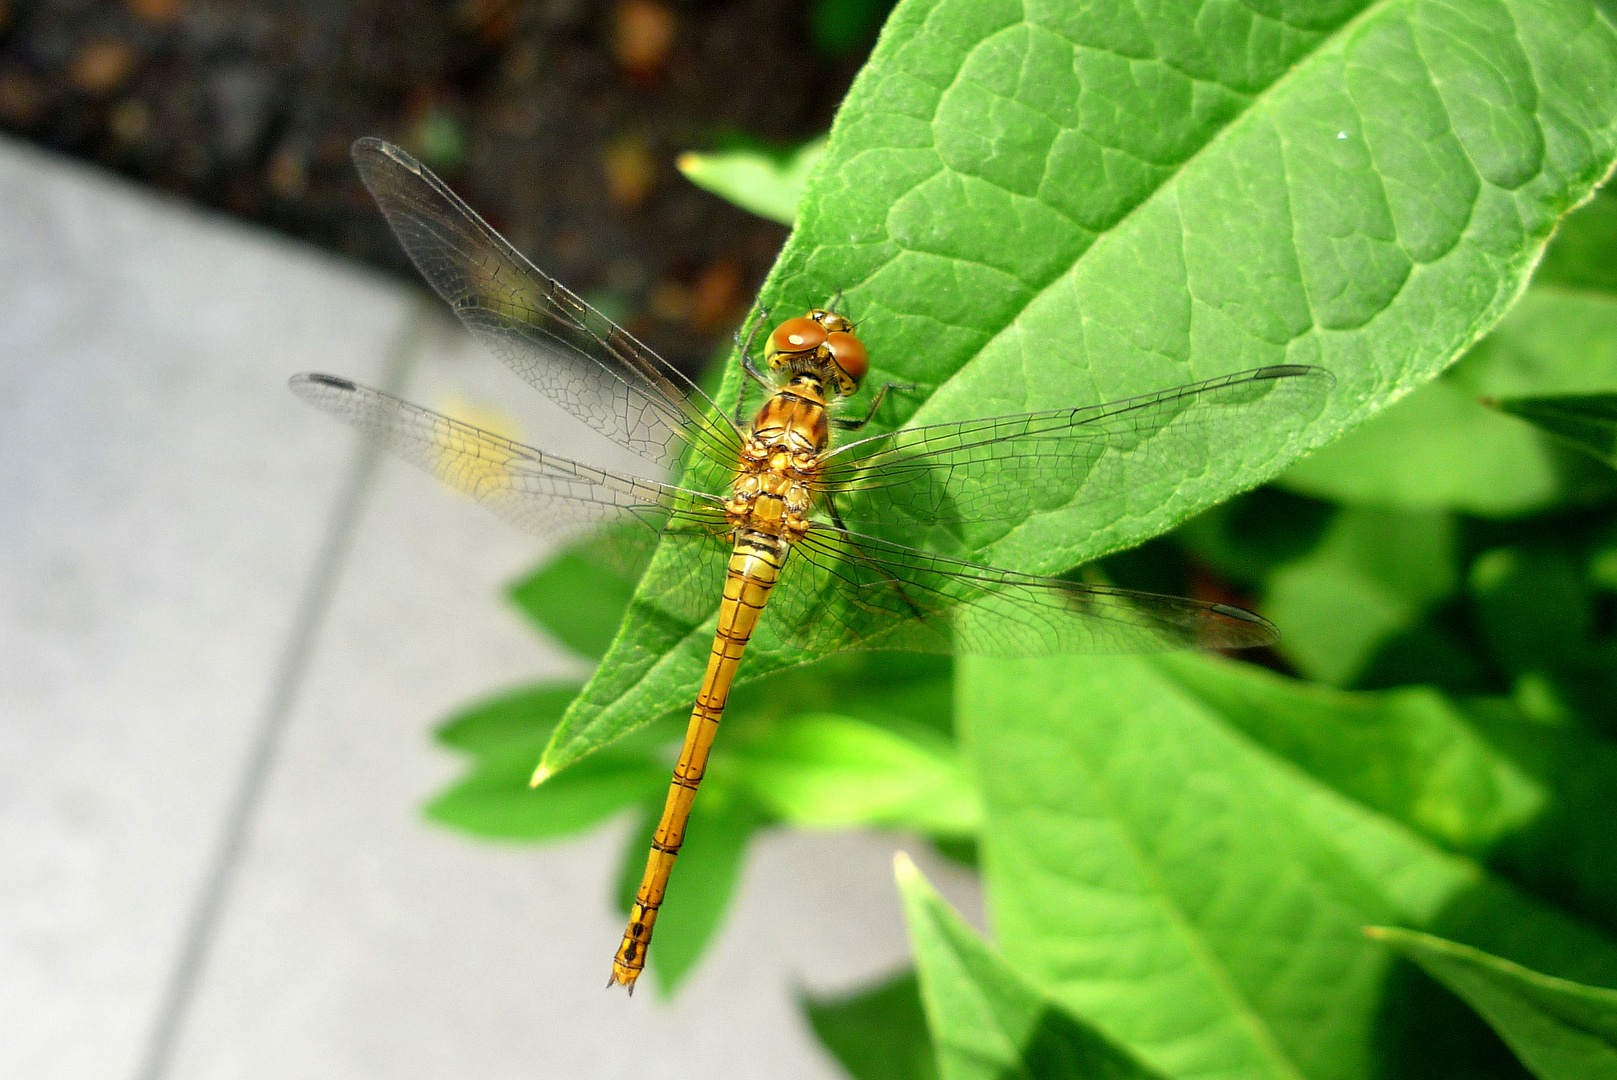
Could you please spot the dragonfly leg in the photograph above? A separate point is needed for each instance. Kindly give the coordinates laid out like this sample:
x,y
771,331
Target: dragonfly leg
x,y
844,424
749,366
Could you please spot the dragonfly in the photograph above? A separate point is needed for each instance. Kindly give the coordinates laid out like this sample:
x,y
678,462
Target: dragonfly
x,y
794,527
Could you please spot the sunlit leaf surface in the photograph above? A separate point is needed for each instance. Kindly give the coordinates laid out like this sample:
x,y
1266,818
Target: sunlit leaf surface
x,y
1048,206
1200,899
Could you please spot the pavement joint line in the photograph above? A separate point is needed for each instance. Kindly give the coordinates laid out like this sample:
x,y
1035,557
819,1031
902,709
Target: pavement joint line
x,y
179,993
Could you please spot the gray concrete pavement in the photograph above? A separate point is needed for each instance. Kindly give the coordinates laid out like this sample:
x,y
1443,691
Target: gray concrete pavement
x,y
210,604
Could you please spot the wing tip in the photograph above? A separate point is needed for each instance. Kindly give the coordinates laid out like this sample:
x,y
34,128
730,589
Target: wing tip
x,y
1294,371
317,378
1251,630
367,147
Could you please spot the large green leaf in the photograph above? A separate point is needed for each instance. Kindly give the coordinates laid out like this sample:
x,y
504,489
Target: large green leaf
x,y
1540,620
1443,448
1561,1030
1199,899
580,593
987,1023
1535,802
1039,205
503,733
526,715
494,799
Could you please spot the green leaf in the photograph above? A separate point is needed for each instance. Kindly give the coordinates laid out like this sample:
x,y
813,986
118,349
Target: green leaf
x,y
877,1033
1443,448
524,716
768,185
899,691
1561,1030
1372,575
986,1021
823,771
1583,254
579,595
1411,755
1199,900
1031,207
1536,804
494,799
1248,537
1586,422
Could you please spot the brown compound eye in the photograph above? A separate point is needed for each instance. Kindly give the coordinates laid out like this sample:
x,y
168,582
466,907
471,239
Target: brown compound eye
x,y
849,353
799,335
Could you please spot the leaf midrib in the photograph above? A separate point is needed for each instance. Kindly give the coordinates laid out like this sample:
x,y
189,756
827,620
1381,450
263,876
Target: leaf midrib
x,y
1266,1042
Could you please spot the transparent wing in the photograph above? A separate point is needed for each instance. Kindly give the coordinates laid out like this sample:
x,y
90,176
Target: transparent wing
x,y
996,469
843,591
563,347
539,492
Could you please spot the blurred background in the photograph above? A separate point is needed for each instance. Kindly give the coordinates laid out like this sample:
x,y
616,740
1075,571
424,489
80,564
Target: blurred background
x,y
560,120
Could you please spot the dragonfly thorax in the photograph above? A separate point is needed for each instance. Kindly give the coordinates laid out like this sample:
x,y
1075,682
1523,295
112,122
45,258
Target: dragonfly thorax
x,y
772,493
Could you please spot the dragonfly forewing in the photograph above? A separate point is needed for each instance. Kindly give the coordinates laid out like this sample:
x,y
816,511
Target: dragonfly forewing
x,y
561,345
542,493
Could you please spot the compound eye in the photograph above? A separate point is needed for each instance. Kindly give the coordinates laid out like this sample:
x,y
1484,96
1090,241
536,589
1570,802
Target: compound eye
x,y
799,335
849,353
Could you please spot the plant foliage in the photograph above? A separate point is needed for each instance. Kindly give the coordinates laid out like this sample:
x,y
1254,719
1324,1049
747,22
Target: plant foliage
x,y
1039,204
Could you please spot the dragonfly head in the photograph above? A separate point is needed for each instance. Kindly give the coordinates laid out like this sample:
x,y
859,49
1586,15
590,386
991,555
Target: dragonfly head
x,y
820,343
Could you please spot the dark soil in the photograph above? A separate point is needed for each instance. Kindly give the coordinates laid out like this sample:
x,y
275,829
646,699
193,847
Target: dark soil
x,y
559,120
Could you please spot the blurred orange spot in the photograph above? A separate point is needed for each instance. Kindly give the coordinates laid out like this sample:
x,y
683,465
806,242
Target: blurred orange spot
x,y
631,171
100,67
22,100
157,11
716,297
671,302
495,21
288,174
643,37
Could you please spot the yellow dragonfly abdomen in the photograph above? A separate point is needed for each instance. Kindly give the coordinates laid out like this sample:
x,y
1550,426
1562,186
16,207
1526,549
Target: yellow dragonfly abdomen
x,y
769,509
